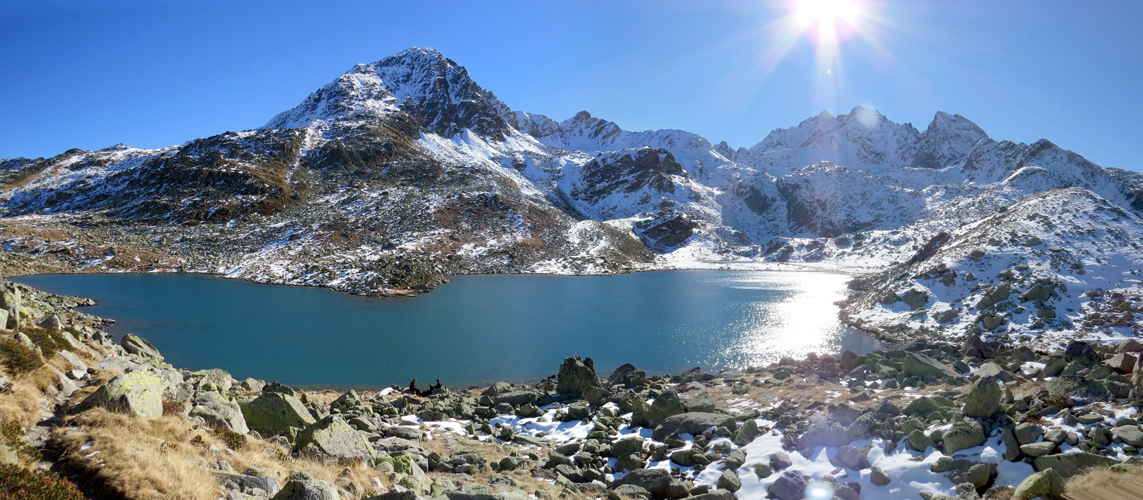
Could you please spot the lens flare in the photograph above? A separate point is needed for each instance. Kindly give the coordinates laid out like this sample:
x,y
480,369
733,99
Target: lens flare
x,y
818,490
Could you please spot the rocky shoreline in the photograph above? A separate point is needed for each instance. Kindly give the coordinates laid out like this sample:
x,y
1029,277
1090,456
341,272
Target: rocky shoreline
x,y
918,419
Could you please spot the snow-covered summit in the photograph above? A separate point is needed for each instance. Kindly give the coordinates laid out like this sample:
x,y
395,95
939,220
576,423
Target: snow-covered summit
x,y
421,82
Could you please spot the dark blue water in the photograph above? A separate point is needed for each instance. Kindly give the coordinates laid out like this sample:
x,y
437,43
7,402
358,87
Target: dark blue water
x,y
475,329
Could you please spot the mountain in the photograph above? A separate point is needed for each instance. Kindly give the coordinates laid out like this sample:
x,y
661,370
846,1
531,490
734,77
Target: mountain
x,y
401,172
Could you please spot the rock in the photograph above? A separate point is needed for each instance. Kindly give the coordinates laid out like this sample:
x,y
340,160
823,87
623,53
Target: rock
x,y
10,301
915,299
273,413
921,365
978,475
1027,433
703,402
978,348
5,384
997,372
302,486
219,412
1137,373
656,481
1054,366
1045,484
823,433
983,399
627,376
51,322
73,360
333,440
923,405
729,481
215,376
714,495
878,477
666,405
1073,386
780,460
918,441
689,423
254,385
1129,345
747,433
517,398
630,491
629,462
138,346
632,444
949,464
247,483
946,316
1121,363
1038,449
1070,464
575,375
763,471
1081,350
850,458
1011,446
137,393
1130,434
788,486
962,435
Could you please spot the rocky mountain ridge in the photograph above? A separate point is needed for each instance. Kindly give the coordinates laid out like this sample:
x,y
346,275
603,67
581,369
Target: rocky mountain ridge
x,y
404,171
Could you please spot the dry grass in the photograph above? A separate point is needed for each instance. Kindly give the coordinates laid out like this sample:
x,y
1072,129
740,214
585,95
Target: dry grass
x,y
168,458
1098,478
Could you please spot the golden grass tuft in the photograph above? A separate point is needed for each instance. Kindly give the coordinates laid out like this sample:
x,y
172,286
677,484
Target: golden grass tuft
x,y
136,458
1097,478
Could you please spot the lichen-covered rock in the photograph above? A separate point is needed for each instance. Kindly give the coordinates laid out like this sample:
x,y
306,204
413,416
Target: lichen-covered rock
x,y
218,411
921,365
1044,484
137,393
983,399
1074,386
246,483
656,481
575,375
273,413
961,436
302,486
878,477
333,440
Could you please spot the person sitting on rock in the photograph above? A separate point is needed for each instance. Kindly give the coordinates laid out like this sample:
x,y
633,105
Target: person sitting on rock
x,y
413,388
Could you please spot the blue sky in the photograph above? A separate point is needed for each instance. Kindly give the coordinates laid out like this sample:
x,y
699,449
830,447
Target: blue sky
x,y
90,74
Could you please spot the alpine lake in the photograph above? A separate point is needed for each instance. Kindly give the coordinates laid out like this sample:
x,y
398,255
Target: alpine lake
x,y
475,329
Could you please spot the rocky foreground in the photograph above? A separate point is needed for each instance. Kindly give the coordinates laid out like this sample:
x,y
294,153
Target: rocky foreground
x,y
916,420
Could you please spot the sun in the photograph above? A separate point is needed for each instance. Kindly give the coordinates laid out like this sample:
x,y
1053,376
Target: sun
x,y
826,11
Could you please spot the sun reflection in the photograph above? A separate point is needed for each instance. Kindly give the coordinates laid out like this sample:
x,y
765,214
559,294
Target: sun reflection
x,y
805,321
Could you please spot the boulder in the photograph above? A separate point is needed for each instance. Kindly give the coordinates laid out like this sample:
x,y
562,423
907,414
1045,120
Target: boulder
x,y
1130,434
747,433
73,360
1038,449
789,486
1121,363
915,298
962,435
666,405
979,475
1129,345
575,375
1070,464
983,399
878,477
918,441
997,372
921,365
1074,386
246,483
656,481
140,347
333,440
51,322
977,348
729,481
10,301
273,413
1137,373
627,376
215,376
702,402
689,423
302,486
1044,484
137,393
1081,350
923,405
1027,433
1011,445
218,411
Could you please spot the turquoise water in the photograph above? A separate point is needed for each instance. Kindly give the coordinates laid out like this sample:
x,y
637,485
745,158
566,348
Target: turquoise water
x,y
475,329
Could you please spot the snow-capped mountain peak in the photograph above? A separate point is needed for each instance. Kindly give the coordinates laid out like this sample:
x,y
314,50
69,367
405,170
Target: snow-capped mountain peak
x,y
435,90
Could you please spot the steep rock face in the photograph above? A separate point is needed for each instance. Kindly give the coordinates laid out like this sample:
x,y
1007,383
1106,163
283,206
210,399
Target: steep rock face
x,y
947,140
826,200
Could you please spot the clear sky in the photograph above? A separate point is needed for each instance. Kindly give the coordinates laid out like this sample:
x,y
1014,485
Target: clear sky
x,y
152,73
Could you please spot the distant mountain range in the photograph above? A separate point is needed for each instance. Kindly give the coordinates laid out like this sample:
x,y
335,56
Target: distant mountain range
x,y
401,172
